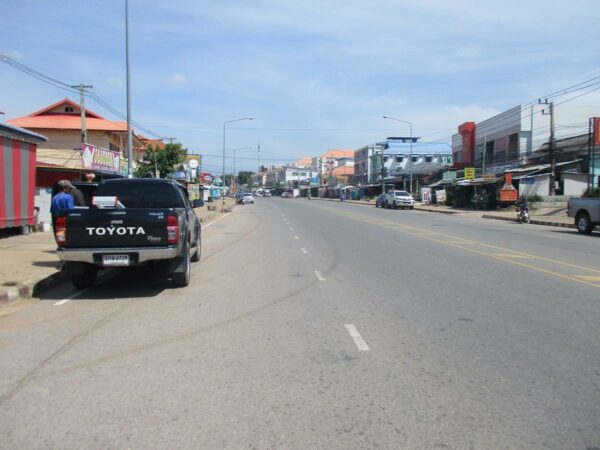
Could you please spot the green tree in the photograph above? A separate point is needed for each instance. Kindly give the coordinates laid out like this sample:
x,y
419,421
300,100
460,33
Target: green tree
x,y
168,160
244,177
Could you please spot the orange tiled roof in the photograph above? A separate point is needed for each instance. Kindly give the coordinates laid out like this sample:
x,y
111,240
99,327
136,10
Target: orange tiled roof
x,y
338,154
46,119
304,161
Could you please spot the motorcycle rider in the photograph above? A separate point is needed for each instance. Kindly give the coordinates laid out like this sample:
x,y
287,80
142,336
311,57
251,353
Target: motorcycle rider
x,y
522,210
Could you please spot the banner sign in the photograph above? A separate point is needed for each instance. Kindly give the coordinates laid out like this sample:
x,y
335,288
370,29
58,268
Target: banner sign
x,y
426,195
449,175
469,173
314,181
96,158
440,195
508,193
489,178
596,132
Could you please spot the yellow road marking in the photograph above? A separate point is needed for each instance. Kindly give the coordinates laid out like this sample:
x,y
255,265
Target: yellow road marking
x,y
587,277
461,244
510,255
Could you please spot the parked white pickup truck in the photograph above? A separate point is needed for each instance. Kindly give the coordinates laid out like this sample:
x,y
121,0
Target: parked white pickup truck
x,y
586,212
399,199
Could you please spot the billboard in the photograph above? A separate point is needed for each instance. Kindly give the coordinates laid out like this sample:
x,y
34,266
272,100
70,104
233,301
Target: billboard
x,y
596,131
96,158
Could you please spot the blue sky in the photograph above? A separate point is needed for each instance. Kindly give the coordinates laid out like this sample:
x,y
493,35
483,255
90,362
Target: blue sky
x,y
316,74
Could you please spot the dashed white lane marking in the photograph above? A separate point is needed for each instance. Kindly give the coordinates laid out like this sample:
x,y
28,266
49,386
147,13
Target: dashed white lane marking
x,y
303,250
296,237
319,277
358,340
70,297
214,221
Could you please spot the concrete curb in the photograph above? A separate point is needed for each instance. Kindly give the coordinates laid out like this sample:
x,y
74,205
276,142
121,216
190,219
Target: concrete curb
x,y
32,288
532,221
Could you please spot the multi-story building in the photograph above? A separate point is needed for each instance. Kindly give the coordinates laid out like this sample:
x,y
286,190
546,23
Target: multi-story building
x,y
331,159
363,163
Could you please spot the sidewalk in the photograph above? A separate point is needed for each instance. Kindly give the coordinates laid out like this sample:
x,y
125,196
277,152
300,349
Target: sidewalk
x,y
29,264
545,216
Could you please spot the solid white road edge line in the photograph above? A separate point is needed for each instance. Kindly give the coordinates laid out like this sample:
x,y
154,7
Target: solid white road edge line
x,y
303,250
358,340
214,221
70,297
319,277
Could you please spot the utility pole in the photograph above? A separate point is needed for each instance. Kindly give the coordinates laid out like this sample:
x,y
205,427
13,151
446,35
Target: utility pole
x,y
129,131
484,156
258,174
171,139
82,88
552,189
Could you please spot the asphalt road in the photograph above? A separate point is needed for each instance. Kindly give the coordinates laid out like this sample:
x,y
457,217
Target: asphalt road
x,y
312,324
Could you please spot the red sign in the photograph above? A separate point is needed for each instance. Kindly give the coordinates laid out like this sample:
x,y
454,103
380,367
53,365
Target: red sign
x,y
596,132
508,193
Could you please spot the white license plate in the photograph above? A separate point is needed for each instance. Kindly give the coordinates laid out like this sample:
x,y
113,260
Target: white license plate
x,y
115,260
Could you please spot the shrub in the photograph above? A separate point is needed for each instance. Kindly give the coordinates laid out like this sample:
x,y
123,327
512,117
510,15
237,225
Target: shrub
x,y
591,193
535,198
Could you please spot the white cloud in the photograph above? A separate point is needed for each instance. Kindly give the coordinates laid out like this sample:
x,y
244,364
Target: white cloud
x,y
177,79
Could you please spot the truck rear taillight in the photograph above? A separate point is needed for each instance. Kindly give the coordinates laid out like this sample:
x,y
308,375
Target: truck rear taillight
x,y
172,230
60,232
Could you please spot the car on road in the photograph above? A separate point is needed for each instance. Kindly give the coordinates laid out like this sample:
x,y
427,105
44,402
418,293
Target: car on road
x,y
286,194
266,193
131,222
239,198
248,198
399,199
586,212
380,201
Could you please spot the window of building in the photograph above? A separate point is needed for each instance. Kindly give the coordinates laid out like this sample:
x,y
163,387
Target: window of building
x,y
69,109
415,158
429,158
385,159
399,159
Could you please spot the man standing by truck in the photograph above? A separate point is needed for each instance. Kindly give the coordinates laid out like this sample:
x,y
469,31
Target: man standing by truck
x,y
62,200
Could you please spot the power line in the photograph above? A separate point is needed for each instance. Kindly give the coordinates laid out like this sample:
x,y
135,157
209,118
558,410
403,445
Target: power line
x,y
67,87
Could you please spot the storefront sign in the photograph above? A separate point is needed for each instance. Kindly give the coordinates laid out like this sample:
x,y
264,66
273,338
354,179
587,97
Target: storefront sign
x,y
449,175
596,132
469,173
96,158
508,193
426,195
440,196
489,178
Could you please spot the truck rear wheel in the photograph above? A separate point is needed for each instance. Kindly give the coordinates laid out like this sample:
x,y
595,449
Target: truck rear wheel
x,y
182,279
583,223
196,255
83,275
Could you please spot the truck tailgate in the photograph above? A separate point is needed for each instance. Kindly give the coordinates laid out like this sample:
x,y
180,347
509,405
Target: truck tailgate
x,y
107,228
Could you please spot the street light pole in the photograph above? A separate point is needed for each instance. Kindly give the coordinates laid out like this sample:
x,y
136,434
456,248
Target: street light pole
x,y
223,174
411,143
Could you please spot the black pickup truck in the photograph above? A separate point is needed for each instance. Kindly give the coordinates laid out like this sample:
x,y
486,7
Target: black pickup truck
x,y
130,222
